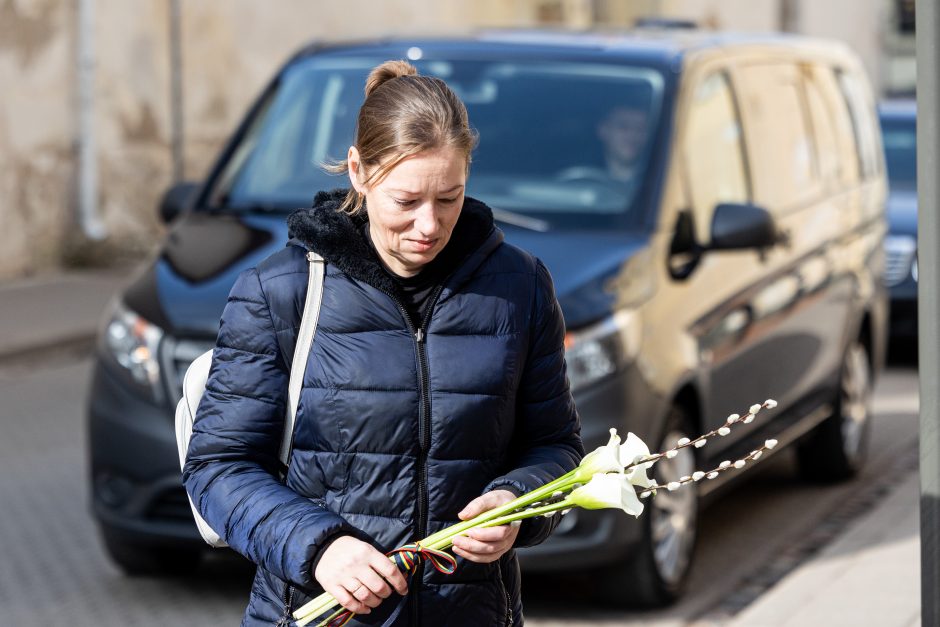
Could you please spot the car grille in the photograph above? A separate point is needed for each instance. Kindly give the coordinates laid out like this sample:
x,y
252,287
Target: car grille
x,y
178,354
897,265
170,505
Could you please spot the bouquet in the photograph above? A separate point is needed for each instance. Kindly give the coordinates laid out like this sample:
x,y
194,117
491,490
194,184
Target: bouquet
x,y
608,477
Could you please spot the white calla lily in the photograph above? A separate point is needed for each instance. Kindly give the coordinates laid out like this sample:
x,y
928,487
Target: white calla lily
x,y
611,491
601,460
632,450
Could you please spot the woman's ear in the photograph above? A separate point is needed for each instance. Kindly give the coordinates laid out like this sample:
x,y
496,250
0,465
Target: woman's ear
x,y
354,166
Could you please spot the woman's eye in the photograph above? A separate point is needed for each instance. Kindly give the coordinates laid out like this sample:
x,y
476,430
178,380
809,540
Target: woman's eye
x,y
449,200
404,203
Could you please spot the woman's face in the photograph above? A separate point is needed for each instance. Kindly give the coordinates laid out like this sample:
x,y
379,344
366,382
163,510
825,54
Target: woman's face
x,y
413,210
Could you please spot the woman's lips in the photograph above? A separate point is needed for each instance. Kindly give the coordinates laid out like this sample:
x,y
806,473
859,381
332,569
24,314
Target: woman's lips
x,y
423,245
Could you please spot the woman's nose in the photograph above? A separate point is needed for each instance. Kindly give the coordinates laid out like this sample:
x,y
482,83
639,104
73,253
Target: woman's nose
x,y
426,219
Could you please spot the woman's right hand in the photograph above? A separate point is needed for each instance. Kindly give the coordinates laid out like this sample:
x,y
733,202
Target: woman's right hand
x,y
357,575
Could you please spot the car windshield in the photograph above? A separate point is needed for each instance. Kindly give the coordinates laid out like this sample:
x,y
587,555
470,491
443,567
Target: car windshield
x,y
562,144
900,142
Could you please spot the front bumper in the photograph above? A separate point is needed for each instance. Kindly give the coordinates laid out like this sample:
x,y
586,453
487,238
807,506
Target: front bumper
x,y
903,317
136,485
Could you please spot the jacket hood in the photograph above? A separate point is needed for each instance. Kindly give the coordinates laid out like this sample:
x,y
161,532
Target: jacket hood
x,y
337,237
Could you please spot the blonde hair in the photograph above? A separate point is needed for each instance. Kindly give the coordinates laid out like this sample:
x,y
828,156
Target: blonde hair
x,y
403,114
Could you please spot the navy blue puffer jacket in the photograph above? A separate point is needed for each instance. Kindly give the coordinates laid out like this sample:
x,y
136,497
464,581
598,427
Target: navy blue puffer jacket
x,y
397,429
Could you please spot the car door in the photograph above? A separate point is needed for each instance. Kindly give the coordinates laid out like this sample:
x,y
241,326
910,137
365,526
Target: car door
x,y
720,287
797,302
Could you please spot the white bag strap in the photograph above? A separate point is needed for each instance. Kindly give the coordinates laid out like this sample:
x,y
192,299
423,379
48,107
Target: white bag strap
x,y
308,328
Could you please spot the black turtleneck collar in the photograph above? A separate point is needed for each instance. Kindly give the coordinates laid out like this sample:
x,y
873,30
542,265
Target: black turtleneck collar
x,y
338,236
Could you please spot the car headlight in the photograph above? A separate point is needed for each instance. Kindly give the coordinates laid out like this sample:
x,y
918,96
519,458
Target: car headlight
x,y
900,259
600,350
133,343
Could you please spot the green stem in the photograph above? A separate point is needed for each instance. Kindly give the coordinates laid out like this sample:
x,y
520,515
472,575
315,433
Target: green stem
x,y
559,484
445,543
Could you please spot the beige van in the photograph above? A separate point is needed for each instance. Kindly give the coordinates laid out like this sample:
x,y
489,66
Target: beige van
x,y
710,208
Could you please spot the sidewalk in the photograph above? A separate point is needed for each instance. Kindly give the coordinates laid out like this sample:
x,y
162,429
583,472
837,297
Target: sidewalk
x,y
870,576
61,310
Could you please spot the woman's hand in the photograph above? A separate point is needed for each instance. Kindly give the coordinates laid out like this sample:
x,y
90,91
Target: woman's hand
x,y
357,575
489,544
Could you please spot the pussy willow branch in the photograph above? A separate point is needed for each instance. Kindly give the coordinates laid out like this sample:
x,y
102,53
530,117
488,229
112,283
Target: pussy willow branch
x,y
701,440
714,472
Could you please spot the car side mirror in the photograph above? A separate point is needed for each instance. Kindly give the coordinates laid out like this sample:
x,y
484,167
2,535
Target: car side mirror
x,y
176,200
740,226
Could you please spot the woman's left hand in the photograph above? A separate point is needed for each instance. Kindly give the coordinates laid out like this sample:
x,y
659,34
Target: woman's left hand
x,y
489,544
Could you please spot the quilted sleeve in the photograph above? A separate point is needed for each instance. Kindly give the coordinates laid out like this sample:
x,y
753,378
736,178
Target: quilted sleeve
x,y
547,440
232,462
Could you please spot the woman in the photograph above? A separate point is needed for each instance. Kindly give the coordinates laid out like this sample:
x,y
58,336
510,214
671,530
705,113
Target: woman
x,y
435,389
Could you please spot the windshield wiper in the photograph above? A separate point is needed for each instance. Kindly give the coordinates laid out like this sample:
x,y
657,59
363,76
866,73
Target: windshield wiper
x,y
517,219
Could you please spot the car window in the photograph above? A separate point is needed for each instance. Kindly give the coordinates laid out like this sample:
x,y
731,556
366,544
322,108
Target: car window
x,y
713,153
780,146
830,113
899,136
568,143
824,133
861,111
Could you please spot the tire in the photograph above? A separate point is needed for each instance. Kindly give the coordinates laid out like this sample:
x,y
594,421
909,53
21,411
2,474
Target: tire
x,y
654,574
144,560
836,449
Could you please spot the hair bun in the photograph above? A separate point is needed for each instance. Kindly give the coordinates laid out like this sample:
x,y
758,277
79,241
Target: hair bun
x,y
386,72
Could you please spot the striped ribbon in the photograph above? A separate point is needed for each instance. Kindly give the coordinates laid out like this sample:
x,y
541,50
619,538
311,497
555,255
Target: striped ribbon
x,y
407,557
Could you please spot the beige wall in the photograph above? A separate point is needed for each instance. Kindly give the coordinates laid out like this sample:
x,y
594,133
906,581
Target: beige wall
x,y
229,49
35,126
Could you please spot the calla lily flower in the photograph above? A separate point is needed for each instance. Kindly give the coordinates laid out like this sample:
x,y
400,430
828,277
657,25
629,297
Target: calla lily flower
x,y
631,451
601,460
612,491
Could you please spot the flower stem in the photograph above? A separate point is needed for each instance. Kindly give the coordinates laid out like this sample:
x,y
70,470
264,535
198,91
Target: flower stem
x,y
446,542
561,484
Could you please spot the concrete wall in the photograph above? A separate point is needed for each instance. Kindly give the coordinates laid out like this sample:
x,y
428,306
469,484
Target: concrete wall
x,y
229,49
35,132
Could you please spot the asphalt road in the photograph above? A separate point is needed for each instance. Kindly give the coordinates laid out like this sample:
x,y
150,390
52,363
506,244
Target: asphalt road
x,y
53,570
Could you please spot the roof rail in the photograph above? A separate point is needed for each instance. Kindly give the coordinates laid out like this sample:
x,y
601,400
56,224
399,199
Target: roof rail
x,y
665,22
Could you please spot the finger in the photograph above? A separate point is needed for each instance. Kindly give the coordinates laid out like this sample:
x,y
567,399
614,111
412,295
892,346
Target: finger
x,y
347,600
475,557
474,508
364,595
376,585
389,571
476,546
484,503
490,534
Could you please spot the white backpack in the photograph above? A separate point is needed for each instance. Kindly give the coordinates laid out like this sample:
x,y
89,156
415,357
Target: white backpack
x,y
194,384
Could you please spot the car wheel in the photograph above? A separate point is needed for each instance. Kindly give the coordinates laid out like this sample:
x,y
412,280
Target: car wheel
x,y
138,559
836,449
655,573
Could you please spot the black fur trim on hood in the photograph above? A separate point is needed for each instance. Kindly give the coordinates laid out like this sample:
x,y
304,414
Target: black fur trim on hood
x,y
337,236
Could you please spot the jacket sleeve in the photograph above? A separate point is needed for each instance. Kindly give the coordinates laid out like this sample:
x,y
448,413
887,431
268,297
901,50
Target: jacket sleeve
x,y
547,438
232,460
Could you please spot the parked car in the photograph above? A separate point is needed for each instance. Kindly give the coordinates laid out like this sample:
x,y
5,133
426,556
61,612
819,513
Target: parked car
x,y
899,131
711,208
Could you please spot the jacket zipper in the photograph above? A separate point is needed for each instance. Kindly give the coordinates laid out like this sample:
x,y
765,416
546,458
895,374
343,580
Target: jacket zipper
x,y
424,434
502,585
288,605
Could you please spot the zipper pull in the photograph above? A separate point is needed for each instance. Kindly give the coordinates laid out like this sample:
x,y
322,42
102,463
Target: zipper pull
x,y
419,335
